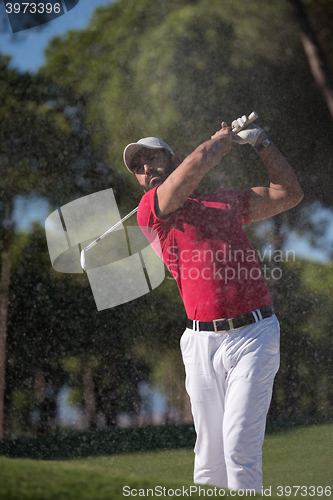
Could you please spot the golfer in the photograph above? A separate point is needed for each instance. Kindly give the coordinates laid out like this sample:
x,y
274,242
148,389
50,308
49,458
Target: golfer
x,y
230,347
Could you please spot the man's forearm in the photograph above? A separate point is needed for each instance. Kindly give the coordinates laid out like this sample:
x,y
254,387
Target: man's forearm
x,y
281,175
180,184
202,160
284,191
212,151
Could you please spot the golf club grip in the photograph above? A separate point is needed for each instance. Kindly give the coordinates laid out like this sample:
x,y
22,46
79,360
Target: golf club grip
x,y
253,116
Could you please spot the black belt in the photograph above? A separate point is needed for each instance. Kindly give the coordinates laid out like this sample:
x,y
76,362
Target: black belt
x,y
224,325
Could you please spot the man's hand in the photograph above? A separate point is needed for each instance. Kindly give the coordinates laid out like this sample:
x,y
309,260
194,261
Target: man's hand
x,y
250,135
224,132
284,191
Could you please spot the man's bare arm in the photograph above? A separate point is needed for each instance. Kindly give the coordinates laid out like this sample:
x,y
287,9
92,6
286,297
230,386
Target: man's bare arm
x,y
284,191
181,182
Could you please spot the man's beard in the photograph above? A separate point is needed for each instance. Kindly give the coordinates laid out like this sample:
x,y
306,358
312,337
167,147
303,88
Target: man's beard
x,y
160,178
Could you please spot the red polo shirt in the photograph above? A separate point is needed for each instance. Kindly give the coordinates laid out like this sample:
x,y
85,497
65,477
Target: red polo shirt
x,y
205,249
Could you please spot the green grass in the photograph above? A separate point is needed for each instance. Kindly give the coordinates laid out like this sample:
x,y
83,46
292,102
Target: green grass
x,y
303,456
25,479
169,465
300,457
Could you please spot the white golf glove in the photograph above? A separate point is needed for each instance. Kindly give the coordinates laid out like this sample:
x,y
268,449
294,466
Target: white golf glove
x,y
247,136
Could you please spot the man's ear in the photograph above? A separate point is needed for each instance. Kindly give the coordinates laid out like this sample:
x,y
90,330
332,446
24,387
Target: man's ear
x,y
176,159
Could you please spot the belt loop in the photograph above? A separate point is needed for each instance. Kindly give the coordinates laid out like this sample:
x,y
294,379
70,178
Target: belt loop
x,y
259,314
256,315
196,325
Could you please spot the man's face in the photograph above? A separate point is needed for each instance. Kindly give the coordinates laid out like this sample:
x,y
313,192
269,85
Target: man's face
x,y
151,167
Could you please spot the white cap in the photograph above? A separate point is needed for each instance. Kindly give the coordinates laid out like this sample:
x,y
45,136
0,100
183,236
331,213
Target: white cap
x,y
147,142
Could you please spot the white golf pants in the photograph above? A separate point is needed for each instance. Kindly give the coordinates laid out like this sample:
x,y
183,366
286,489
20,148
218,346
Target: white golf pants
x,y
229,378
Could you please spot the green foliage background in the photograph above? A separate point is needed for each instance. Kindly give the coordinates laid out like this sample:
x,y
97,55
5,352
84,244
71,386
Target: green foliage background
x,y
175,70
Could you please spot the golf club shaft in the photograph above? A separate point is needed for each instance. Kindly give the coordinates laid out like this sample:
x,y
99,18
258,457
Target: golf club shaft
x,y
93,243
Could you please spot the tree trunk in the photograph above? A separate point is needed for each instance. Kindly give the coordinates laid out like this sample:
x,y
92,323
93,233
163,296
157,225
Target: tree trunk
x,y
278,242
40,399
40,386
185,402
89,397
187,417
314,54
4,300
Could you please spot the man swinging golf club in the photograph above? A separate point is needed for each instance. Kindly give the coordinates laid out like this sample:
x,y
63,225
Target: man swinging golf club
x,y
230,347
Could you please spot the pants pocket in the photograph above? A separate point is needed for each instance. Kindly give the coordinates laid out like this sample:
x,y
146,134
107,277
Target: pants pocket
x,y
200,379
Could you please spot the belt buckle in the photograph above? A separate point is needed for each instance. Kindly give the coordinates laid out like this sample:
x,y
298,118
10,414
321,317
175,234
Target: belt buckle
x,y
230,321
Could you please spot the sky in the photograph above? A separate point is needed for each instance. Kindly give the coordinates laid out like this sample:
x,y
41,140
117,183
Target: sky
x,y
27,54
27,48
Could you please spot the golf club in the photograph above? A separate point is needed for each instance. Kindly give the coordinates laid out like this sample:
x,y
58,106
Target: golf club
x,y
253,116
93,243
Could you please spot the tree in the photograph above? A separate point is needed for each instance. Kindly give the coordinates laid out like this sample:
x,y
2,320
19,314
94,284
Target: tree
x,y
306,341
45,150
56,336
210,61
314,53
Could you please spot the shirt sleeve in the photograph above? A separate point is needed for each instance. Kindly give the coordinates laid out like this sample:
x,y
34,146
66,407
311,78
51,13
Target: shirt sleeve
x,y
146,215
152,226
